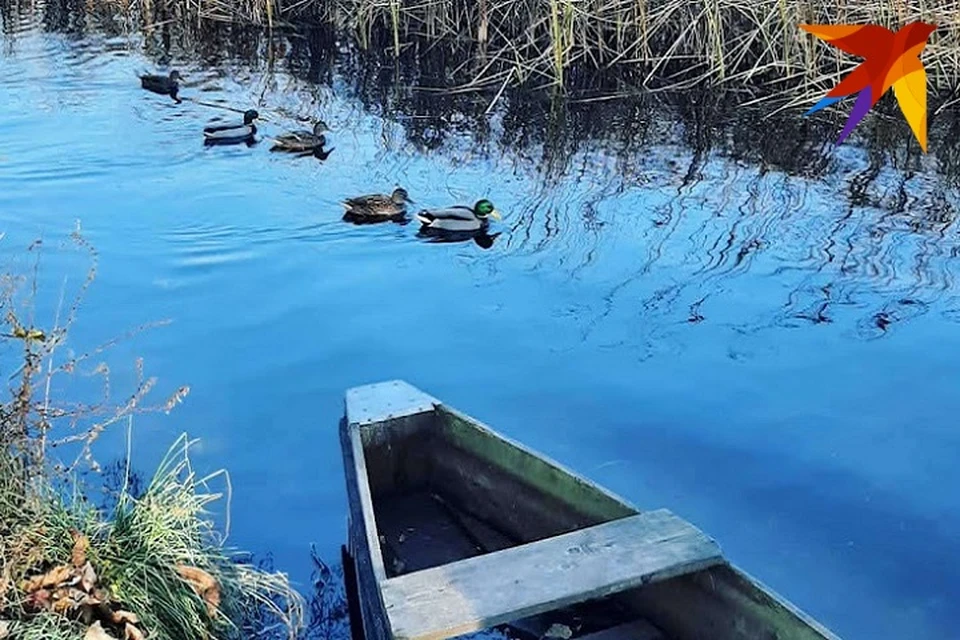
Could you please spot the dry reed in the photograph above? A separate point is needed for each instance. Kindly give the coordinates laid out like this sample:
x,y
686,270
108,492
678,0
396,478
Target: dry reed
x,y
650,43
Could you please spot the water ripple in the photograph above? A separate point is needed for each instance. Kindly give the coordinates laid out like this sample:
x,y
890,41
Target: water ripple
x,y
674,282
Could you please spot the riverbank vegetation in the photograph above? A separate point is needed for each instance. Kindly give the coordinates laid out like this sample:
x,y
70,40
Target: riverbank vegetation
x,y
79,558
444,90
633,44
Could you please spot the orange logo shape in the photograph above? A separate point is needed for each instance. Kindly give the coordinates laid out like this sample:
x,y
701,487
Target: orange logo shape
x,y
890,59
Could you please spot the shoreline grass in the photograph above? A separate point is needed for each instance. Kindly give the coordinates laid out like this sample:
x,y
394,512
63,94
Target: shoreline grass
x,y
152,564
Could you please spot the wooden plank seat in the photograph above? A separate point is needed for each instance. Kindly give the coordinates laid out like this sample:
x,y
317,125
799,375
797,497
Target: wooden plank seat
x,y
499,587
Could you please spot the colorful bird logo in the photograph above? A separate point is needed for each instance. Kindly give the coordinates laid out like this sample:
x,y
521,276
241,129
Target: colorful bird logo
x,y
890,59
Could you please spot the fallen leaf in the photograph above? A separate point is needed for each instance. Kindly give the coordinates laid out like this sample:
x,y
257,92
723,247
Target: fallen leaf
x,y
4,629
66,599
62,605
78,596
123,617
51,578
31,584
80,545
204,584
38,599
130,632
57,575
88,578
96,632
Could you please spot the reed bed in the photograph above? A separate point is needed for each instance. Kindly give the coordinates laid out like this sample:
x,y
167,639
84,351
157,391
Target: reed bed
x,y
649,44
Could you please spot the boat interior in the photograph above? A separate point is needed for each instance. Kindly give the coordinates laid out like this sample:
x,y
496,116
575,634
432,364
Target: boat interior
x,y
445,489
438,500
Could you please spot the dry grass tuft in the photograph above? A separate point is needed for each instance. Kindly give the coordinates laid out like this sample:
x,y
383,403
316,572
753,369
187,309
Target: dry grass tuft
x,y
153,566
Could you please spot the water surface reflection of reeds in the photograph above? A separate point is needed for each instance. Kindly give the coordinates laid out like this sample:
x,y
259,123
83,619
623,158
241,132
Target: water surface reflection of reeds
x,y
740,191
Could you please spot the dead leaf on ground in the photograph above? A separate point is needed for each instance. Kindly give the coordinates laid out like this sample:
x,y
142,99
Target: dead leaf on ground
x,y
31,584
62,605
204,584
51,578
88,578
80,545
130,632
96,632
39,599
4,629
123,617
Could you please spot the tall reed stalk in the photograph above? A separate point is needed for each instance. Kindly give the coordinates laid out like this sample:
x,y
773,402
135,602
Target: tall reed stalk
x,y
655,43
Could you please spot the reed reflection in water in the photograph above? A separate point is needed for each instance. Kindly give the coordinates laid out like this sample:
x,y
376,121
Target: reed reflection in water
x,y
701,307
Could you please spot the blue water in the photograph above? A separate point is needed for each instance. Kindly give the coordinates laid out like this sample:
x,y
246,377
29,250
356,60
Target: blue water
x,y
764,355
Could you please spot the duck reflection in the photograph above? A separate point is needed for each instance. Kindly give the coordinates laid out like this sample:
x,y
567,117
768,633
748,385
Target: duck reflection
x,y
482,239
353,218
320,153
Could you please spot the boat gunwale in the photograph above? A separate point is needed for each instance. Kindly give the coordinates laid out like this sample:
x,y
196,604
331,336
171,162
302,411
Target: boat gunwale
x,y
493,434
353,430
779,599
366,502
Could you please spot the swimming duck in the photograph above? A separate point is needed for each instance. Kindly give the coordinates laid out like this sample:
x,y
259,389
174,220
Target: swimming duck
x,y
302,141
378,206
459,217
164,85
232,133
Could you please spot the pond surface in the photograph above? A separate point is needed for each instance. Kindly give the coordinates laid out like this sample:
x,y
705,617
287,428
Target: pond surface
x,y
773,356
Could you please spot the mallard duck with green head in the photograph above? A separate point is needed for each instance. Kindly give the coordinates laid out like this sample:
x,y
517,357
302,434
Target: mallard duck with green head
x,y
233,133
378,206
302,141
164,85
459,217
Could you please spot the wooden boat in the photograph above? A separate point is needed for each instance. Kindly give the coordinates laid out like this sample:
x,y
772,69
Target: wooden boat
x,y
454,528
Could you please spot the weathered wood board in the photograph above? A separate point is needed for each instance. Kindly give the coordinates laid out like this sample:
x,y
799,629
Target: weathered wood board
x,y
375,403
726,604
361,541
547,477
477,593
584,543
